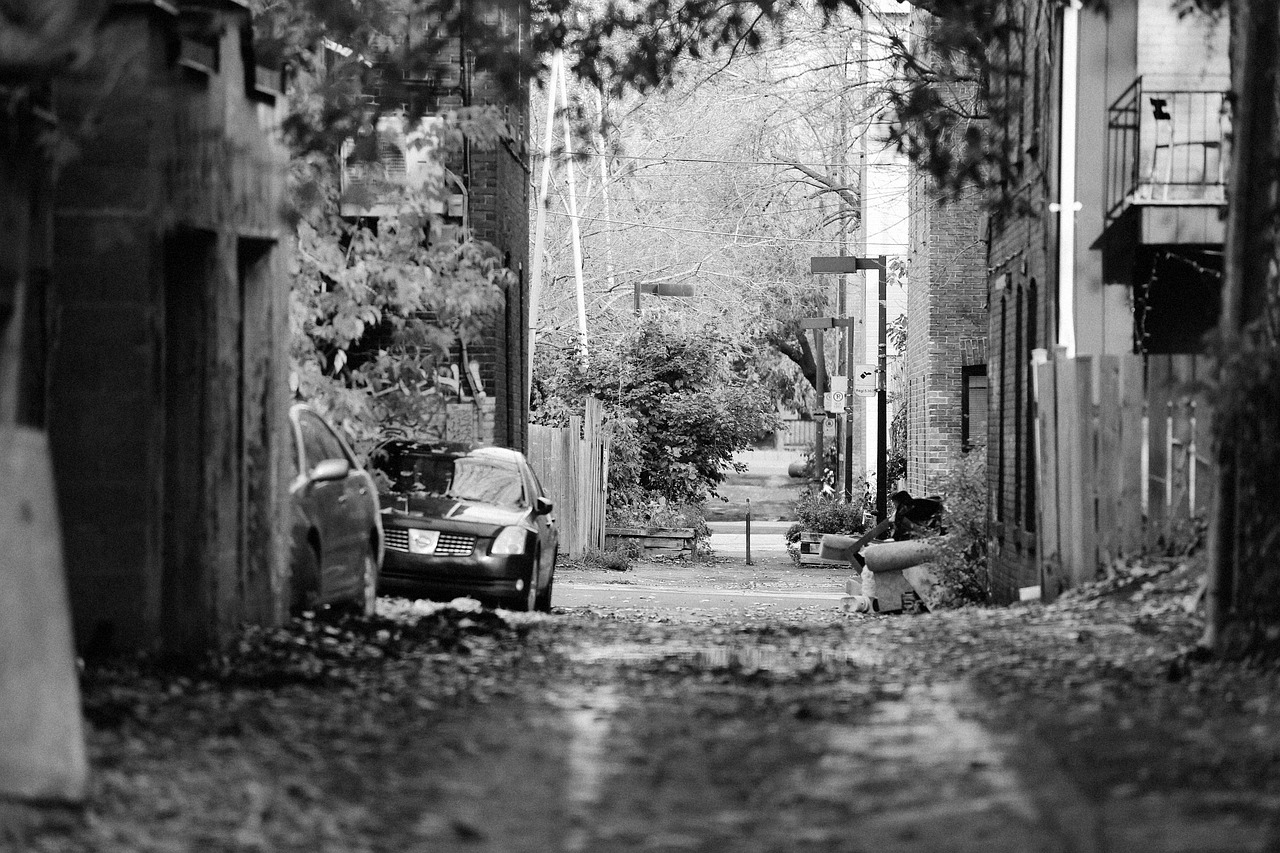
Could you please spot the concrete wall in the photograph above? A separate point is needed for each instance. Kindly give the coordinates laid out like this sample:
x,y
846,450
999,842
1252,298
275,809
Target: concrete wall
x,y
167,356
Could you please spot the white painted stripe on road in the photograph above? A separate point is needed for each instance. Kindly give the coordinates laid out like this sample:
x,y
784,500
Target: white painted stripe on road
x,y
755,593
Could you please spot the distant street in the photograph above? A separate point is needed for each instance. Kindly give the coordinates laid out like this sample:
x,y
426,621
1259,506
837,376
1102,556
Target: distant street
x,y
719,592
612,595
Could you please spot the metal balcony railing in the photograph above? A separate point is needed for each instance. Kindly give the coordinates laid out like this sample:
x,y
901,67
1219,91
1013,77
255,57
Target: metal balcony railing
x,y
1165,147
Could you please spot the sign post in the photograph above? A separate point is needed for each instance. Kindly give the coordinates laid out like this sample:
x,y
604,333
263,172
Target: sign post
x,y
841,265
818,325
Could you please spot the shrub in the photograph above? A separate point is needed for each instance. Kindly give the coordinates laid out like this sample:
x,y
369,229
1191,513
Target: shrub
x,y
962,574
817,513
680,404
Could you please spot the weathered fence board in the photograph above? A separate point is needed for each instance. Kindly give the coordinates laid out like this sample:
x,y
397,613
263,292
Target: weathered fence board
x,y
1110,486
573,465
1129,464
1047,474
1121,458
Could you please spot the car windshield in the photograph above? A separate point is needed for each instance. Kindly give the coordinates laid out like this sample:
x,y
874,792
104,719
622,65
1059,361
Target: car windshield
x,y
462,477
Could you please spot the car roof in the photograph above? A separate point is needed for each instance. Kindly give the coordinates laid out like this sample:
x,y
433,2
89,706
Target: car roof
x,y
450,448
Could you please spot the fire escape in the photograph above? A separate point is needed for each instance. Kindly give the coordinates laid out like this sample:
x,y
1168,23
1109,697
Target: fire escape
x,y
1165,195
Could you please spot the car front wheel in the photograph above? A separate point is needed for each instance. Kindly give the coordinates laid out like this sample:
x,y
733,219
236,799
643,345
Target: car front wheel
x,y
543,602
527,599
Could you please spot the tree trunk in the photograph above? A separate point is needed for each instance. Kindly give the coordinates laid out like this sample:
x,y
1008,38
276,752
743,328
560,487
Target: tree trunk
x,y
1248,249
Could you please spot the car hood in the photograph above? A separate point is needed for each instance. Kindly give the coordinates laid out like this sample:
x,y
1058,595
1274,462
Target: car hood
x,y
452,509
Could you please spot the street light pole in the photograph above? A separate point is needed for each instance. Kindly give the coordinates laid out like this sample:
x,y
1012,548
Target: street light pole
x,y
882,395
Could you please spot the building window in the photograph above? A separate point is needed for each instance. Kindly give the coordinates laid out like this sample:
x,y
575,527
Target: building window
x,y
973,407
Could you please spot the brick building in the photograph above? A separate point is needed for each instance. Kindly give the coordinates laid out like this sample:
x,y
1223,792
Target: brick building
x,y
945,365
156,355
1143,209
486,189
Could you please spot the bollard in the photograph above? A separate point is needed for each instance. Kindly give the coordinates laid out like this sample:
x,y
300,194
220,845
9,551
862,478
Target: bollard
x,y
749,563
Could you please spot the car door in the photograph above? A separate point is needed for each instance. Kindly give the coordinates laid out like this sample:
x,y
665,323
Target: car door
x,y
339,519
360,501
548,535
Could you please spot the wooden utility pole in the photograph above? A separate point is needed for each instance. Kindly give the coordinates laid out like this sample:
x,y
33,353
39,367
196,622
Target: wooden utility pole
x,y
540,225
574,228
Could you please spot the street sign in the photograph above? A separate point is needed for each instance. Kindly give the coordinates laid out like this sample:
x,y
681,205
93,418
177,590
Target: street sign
x,y
866,380
666,288
834,401
841,264
828,427
825,322
838,383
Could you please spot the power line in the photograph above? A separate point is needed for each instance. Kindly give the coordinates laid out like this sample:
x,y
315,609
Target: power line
x,y
766,237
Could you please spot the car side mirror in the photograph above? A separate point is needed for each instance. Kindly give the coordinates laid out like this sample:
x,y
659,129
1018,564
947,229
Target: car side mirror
x,y
329,469
542,506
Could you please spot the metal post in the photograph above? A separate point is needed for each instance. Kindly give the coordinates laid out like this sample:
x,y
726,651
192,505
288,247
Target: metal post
x,y
820,376
849,397
749,563
882,396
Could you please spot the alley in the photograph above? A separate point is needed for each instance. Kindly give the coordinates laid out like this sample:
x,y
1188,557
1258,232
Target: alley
x,y
634,728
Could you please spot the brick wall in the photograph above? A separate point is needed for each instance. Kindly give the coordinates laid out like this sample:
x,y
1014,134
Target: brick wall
x,y
499,211
945,316
946,292
1021,318
497,179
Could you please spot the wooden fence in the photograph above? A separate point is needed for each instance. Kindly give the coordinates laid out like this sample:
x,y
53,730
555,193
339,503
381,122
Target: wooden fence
x,y
573,464
1122,458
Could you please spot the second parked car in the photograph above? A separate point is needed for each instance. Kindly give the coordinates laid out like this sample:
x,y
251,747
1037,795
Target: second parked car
x,y
337,530
462,520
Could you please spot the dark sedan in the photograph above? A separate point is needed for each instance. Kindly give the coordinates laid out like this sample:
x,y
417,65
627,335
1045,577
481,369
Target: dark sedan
x,y
337,530
461,520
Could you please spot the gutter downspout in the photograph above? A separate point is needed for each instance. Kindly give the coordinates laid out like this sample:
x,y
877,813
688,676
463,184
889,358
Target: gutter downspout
x,y
1067,205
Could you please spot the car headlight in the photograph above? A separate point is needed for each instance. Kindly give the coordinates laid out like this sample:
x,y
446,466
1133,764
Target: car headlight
x,y
510,540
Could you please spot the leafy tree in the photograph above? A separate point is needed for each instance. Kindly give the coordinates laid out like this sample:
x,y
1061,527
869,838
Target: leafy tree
x,y
682,403
736,213
376,304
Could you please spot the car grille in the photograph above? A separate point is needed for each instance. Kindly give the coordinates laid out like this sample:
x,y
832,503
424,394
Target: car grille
x,y
455,544
449,544
396,539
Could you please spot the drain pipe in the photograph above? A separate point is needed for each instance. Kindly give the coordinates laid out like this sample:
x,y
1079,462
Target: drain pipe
x,y
1067,205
